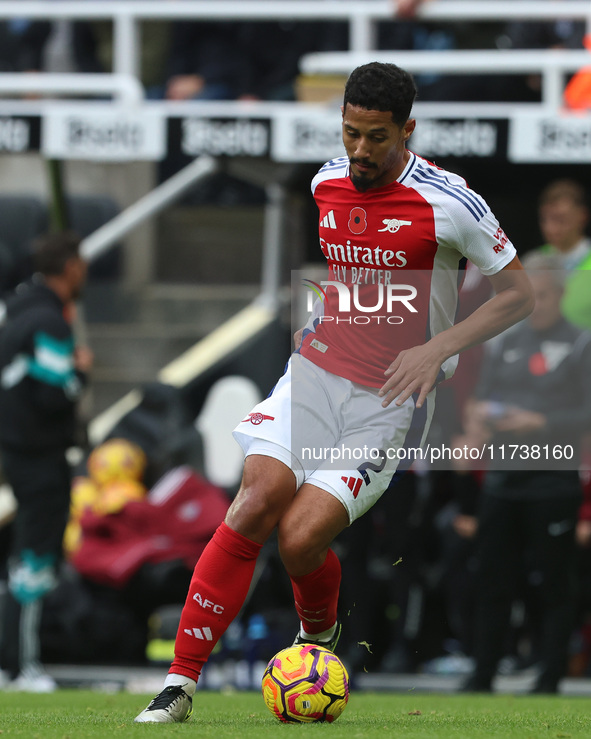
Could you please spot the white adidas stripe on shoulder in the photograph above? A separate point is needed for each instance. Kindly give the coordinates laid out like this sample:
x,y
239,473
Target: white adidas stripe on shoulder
x,y
332,170
451,185
338,162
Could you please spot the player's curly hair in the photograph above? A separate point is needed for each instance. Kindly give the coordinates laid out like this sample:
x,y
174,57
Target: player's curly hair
x,y
379,86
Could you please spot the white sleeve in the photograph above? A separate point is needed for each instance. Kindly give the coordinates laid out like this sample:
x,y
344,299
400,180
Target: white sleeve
x,y
475,233
335,169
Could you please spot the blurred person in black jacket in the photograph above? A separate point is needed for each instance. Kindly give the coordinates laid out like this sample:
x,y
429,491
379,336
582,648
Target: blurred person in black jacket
x,y
45,46
205,61
534,402
272,52
42,376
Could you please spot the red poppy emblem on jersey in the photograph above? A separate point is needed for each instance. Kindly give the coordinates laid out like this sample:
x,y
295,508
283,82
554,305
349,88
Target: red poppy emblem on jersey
x,y
357,220
256,418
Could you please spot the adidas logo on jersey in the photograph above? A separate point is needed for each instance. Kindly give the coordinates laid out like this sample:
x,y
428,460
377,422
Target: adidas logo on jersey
x,y
329,220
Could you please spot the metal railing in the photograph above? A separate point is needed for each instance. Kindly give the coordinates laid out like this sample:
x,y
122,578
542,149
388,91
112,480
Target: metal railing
x,y
552,64
147,207
126,88
362,17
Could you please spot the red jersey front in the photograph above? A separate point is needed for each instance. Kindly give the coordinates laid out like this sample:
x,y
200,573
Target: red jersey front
x,y
395,255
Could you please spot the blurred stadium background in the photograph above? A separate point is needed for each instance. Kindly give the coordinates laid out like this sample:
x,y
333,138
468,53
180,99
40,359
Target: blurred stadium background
x,y
194,211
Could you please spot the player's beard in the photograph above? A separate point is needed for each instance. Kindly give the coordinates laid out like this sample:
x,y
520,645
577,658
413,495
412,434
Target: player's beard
x,y
361,183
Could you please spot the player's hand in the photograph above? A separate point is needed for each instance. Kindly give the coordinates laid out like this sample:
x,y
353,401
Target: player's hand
x,y
184,86
519,421
413,370
297,338
465,526
477,421
83,358
406,8
583,533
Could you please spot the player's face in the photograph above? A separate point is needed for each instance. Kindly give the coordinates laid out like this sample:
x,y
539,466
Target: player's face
x,y
562,223
375,145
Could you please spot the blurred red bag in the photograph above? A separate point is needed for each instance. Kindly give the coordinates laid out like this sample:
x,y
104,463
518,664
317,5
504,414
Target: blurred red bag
x,y
174,522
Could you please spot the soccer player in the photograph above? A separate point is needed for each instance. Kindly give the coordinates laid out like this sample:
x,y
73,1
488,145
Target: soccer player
x,y
393,225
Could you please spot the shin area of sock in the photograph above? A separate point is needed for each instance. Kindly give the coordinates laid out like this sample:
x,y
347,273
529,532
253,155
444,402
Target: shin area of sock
x,y
220,582
316,595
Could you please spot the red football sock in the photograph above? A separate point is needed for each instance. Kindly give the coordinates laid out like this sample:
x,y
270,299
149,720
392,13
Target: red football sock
x,y
217,591
316,595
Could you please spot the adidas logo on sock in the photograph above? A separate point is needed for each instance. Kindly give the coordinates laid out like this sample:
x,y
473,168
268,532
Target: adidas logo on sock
x,y
329,220
204,633
353,483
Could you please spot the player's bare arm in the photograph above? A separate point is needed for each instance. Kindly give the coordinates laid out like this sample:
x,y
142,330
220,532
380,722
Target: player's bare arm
x,y
416,369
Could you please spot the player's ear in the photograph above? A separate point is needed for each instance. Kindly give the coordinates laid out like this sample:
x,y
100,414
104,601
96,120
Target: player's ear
x,y
408,128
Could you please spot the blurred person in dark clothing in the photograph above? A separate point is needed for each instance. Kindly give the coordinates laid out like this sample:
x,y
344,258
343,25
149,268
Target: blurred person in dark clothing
x,y
15,44
272,52
42,376
44,46
273,49
205,61
559,33
534,392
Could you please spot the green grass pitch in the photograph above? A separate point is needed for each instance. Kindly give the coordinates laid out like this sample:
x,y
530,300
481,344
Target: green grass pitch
x,y
77,714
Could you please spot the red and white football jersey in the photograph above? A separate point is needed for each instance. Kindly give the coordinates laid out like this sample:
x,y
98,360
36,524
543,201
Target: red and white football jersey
x,y
396,256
